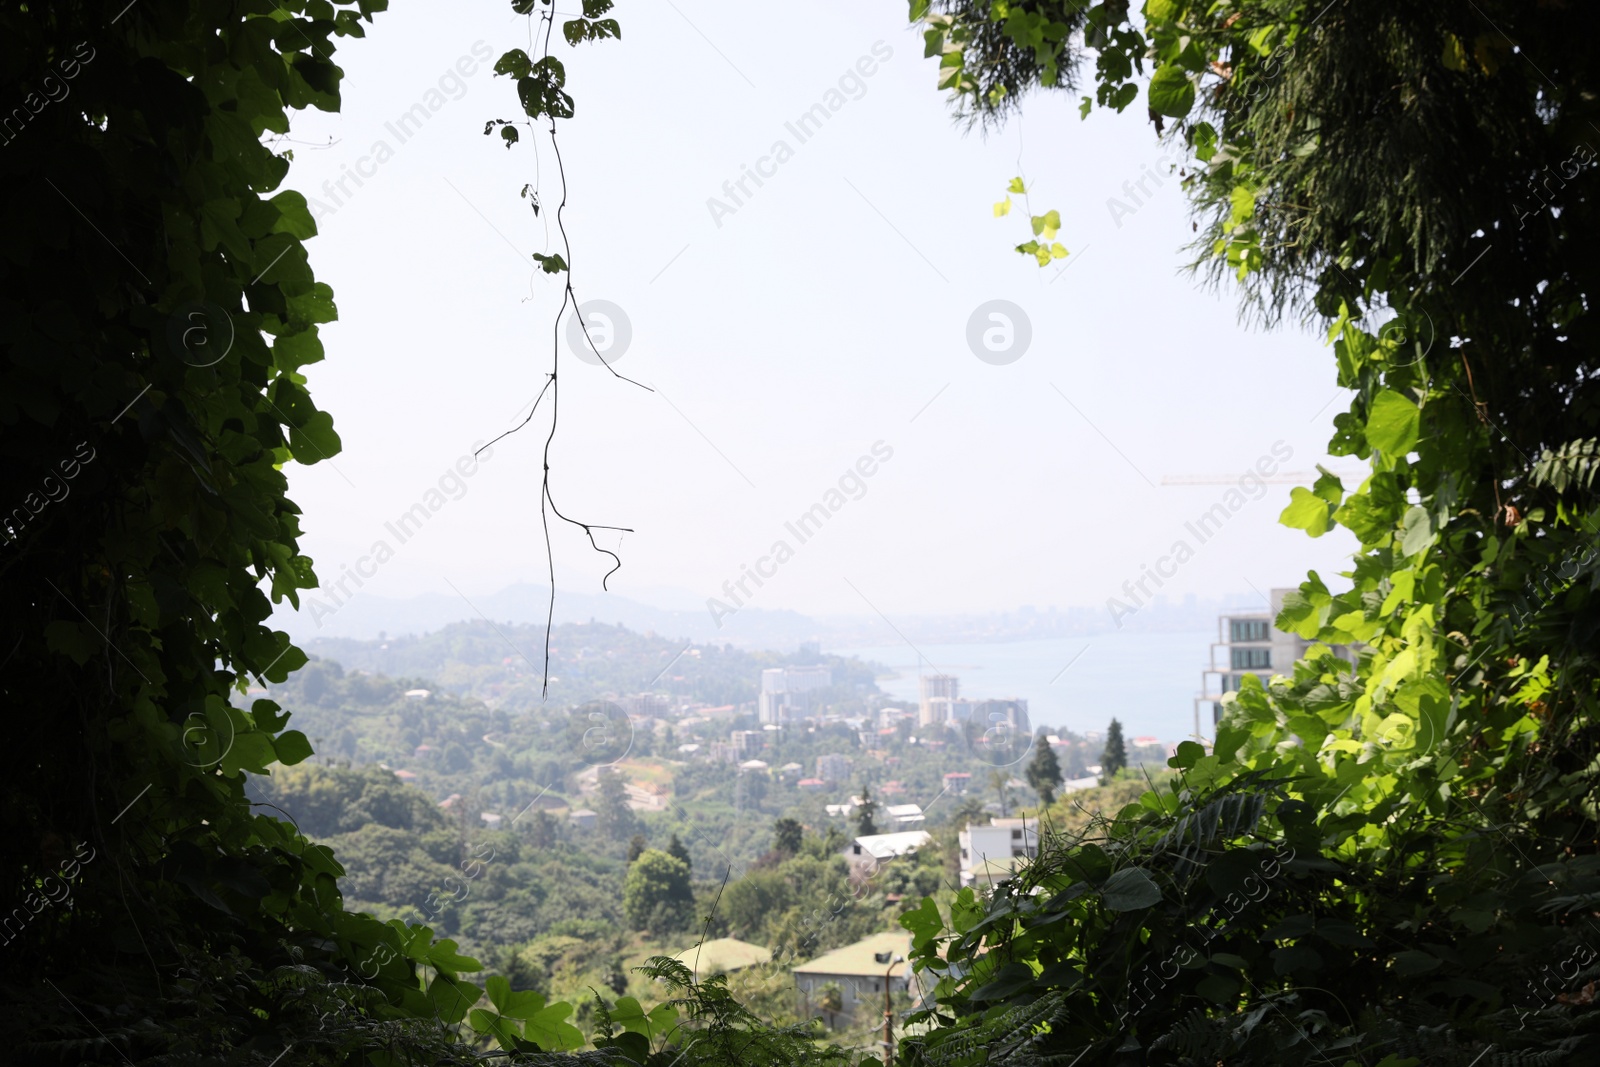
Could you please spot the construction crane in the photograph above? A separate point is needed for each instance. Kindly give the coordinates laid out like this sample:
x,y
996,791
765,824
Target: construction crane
x,y
1281,478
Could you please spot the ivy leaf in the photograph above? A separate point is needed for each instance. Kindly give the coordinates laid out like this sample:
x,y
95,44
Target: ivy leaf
x,y
1003,207
487,1022
1189,752
1417,532
515,63
595,8
523,1004
631,1016
314,439
451,997
1006,983
1171,91
924,922
552,264
1393,424
292,747
1129,890
551,1030
442,955
1016,186
1307,511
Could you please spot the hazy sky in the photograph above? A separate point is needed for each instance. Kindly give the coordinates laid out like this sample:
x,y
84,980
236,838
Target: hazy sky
x,y
788,334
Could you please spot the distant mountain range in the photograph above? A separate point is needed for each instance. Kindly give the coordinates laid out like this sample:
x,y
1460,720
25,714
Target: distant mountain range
x,y
367,616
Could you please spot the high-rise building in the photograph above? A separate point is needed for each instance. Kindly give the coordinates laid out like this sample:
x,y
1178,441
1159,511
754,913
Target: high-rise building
x,y
787,692
937,687
833,767
987,714
1248,642
746,743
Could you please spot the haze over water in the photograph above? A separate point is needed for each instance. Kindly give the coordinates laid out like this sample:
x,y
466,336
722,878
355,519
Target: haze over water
x,y
1146,679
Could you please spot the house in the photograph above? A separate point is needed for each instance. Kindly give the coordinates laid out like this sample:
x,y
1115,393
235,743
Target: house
x,y
991,872
904,815
723,955
957,782
417,694
584,819
873,849
811,785
834,767
1001,840
858,974
490,819
753,766
1072,785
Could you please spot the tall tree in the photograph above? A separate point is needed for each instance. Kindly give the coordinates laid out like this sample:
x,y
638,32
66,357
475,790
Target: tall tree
x,y
636,847
615,817
1044,770
1115,756
1001,781
787,835
678,850
865,826
656,894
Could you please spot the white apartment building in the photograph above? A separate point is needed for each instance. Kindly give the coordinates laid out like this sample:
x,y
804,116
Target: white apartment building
x,y
1001,842
936,687
1248,643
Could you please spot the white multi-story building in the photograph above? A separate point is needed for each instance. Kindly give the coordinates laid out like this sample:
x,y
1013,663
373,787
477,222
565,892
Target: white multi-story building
x,y
746,743
1248,643
786,691
988,714
936,691
996,846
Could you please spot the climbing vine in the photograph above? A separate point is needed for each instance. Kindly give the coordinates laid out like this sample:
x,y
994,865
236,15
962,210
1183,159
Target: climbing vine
x,y
1414,179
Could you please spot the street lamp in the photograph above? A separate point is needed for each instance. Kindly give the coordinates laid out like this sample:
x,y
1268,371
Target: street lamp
x,y
888,1006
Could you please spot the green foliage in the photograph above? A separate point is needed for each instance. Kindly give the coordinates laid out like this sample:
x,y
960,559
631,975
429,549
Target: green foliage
x,y
787,836
656,895
1045,226
1115,757
1044,770
1426,797
865,826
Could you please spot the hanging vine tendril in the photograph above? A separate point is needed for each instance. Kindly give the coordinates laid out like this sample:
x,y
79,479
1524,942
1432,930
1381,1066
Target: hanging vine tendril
x,y
541,89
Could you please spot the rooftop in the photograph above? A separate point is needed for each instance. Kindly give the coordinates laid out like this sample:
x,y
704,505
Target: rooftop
x,y
858,959
885,846
722,955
